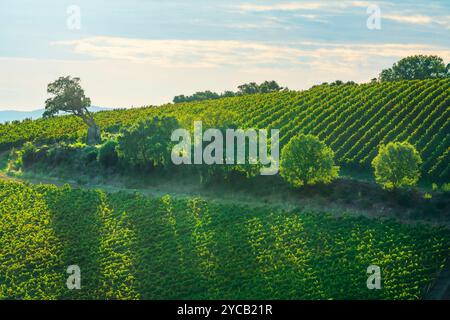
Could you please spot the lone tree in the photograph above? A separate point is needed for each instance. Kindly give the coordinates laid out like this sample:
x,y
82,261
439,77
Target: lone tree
x,y
396,165
417,67
68,96
307,160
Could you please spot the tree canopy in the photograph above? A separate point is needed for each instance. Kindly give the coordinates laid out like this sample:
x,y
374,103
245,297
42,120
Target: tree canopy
x,y
147,144
307,160
416,67
247,88
397,164
67,95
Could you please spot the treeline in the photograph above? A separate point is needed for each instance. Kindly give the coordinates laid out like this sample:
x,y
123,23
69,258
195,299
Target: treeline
x,y
147,146
418,67
244,89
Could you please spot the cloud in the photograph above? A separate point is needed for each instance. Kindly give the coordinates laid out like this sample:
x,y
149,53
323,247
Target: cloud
x,y
243,54
184,53
125,72
419,19
282,6
413,19
299,6
269,22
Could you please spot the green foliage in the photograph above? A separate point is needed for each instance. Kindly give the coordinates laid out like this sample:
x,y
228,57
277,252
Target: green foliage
x,y
198,96
28,153
417,67
211,173
130,246
68,96
445,187
89,154
107,154
248,88
397,165
30,253
305,160
77,155
147,144
253,88
353,120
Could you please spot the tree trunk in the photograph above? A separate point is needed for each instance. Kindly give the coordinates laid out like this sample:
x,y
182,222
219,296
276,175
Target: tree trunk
x,y
93,136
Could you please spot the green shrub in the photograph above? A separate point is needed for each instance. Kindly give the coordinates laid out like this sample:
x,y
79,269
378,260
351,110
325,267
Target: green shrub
x,y
396,165
28,154
107,154
147,144
89,154
60,153
305,160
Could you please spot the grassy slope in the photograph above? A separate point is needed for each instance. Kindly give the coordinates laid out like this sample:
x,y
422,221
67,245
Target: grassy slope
x,y
132,246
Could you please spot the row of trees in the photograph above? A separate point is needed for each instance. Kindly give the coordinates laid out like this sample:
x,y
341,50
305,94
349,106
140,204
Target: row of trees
x,y
247,88
305,160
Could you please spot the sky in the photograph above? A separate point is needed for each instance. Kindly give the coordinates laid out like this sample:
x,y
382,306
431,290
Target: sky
x,y
131,53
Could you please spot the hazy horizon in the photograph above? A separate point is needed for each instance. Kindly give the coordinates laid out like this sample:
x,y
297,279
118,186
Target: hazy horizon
x,y
137,53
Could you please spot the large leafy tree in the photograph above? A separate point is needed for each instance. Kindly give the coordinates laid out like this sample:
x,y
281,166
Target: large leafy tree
x,y
396,165
416,67
68,96
253,88
307,160
147,144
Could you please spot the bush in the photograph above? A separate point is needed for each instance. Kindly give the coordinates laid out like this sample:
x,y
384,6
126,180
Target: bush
x,y
89,154
107,154
147,144
305,160
396,165
445,187
233,173
28,154
61,153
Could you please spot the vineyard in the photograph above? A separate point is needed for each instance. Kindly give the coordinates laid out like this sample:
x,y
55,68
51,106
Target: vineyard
x,y
132,246
353,119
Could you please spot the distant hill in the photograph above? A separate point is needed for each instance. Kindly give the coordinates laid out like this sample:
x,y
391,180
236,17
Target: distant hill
x,y
11,115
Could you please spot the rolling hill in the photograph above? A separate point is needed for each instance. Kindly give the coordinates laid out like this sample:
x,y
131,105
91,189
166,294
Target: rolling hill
x,y
353,119
129,246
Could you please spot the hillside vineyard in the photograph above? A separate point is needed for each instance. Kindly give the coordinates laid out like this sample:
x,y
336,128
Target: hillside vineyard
x,y
353,119
133,246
